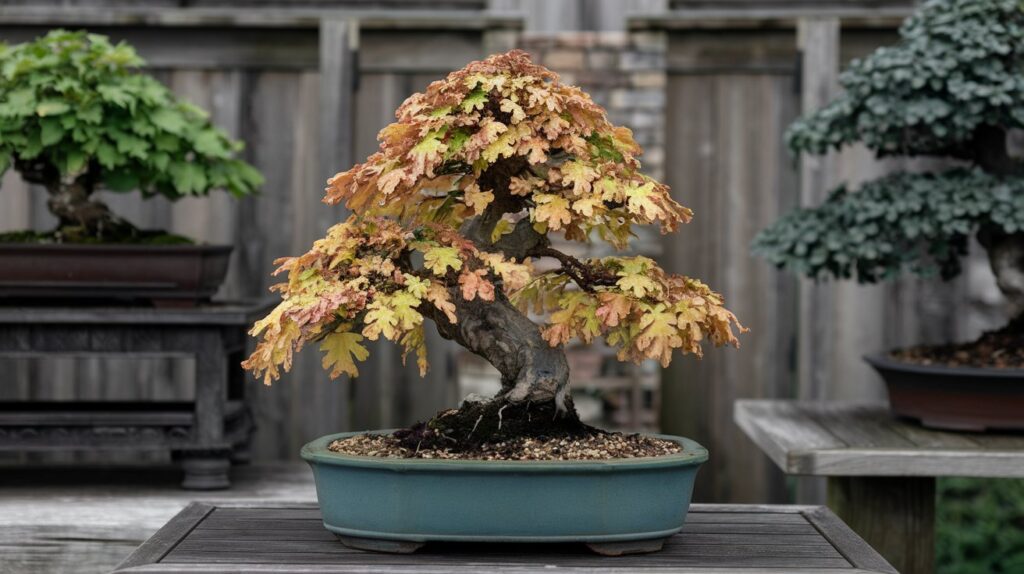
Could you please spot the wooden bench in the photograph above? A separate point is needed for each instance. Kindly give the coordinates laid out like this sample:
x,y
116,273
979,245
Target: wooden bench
x,y
205,434
290,538
881,471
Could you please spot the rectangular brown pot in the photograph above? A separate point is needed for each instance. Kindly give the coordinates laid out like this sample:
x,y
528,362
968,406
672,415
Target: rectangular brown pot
x,y
163,274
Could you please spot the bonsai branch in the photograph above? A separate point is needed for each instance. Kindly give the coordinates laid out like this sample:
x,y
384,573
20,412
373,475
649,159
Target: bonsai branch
x,y
583,274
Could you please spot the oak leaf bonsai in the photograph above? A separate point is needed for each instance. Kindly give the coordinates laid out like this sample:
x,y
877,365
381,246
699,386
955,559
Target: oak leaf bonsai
x,y
468,187
953,87
76,116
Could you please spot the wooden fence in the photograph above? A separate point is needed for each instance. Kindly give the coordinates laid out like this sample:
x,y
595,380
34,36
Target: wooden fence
x,y
308,90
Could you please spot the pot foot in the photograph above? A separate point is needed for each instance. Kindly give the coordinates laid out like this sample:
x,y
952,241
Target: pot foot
x,y
627,547
380,544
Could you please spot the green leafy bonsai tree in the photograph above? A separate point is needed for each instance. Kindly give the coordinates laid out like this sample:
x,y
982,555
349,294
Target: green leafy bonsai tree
x,y
76,116
952,88
469,186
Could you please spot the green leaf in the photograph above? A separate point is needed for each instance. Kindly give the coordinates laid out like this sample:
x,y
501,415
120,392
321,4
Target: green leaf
x,y
169,120
107,155
188,178
211,143
120,180
52,108
52,131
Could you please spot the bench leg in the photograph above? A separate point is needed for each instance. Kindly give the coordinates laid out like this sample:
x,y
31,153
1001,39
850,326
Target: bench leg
x,y
206,469
895,515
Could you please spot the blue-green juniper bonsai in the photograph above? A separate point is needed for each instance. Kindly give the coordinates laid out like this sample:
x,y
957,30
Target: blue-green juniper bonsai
x,y
75,116
953,87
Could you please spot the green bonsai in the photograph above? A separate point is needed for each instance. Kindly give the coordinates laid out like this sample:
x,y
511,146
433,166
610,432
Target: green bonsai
x,y
76,116
953,87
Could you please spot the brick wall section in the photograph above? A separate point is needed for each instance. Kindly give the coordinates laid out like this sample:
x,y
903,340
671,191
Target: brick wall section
x,y
626,74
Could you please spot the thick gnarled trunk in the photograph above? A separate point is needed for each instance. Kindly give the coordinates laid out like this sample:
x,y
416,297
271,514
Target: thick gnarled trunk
x,y
531,370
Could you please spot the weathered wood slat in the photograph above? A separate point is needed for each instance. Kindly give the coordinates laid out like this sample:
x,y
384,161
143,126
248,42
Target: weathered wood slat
x,y
865,440
167,537
291,539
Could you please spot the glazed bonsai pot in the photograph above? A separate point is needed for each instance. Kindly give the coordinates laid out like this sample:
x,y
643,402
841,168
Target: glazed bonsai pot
x,y
165,274
954,398
396,505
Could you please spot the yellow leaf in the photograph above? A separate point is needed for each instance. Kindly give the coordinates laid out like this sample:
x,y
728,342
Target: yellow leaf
x,y
439,259
380,320
476,199
340,348
580,175
551,209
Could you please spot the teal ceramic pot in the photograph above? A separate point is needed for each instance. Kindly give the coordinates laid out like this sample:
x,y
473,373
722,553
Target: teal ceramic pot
x,y
619,506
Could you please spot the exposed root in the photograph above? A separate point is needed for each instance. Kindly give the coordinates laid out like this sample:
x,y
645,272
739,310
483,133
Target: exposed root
x,y
480,421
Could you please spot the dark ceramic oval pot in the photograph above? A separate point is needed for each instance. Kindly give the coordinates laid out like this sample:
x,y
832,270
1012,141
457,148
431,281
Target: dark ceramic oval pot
x,y
616,506
181,274
953,398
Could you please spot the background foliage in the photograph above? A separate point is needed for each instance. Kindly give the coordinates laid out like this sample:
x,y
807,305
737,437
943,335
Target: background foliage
x,y
75,102
958,67
980,526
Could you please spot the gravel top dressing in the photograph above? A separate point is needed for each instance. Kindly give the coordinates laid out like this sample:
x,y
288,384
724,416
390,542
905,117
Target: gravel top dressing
x,y
597,446
1001,349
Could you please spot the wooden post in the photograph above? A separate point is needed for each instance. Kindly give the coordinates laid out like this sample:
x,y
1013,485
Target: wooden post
x,y
818,42
895,515
339,76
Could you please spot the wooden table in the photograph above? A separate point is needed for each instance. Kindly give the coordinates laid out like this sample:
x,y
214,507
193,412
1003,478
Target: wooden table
x,y
881,471
225,537
205,434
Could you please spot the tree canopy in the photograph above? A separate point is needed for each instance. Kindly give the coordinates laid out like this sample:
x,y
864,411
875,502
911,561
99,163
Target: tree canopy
x,y
73,104
469,183
952,87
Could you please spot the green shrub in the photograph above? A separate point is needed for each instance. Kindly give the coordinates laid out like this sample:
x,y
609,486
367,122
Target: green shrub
x,y
980,526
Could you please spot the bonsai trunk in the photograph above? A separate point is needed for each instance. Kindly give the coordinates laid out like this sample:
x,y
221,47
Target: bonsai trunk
x,y
1006,256
531,370
534,375
80,215
1005,250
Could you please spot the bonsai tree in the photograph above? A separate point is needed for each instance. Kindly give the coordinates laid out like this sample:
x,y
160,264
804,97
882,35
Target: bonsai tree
x,y
952,88
469,186
76,116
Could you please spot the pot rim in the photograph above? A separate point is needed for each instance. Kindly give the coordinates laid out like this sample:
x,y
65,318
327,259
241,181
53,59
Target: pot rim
x,y
316,451
114,247
882,360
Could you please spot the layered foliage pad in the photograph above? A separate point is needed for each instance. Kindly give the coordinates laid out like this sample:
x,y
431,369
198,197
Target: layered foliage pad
x,y
959,65
916,221
503,148
958,69
73,101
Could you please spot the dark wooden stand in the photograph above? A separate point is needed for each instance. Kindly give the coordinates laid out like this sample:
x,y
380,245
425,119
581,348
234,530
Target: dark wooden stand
x,y
205,435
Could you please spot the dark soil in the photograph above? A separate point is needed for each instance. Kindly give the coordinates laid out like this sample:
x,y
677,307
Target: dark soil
x,y
58,237
497,430
1000,349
